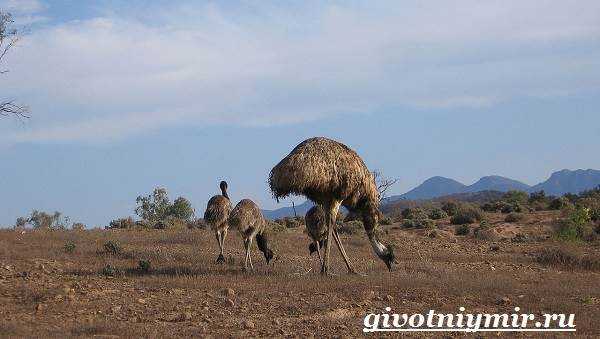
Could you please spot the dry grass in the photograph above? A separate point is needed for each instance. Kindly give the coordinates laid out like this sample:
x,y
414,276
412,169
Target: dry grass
x,y
65,294
569,257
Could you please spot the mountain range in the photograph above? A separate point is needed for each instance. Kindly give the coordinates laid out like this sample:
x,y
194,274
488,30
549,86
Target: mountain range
x,y
559,183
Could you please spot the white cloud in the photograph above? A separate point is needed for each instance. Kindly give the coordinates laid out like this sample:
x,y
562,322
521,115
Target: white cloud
x,y
22,6
204,65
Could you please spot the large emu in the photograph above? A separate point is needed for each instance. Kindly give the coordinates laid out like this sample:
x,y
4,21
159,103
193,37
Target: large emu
x,y
249,221
216,215
331,174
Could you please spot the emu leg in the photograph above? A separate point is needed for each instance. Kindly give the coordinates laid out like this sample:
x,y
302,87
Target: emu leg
x,y
247,248
319,252
249,254
331,210
338,241
220,258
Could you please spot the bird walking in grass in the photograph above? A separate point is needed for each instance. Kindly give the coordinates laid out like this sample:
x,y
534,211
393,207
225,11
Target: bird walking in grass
x,y
217,215
332,175
249,221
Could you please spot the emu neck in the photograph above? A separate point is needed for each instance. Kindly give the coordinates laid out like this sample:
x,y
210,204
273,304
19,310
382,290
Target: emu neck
x,y
224,192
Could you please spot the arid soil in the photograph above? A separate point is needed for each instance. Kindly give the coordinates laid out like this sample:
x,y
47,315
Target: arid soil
x,y
45,291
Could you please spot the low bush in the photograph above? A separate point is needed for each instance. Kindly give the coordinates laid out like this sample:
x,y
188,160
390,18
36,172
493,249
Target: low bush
x,y
577,226
111,247
559,203
386,221
467,215
414,213
462,230
351,227
513,217
291,222
568,257
419,223
437,213
69,247
110,271
144,266
122,223
450,207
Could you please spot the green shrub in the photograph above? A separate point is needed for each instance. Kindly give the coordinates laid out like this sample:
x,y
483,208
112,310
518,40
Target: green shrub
x,y
516,197
418,223
386,221
291,222
559,203
490,207
414,213
437,213
275,227
513,217
110,270
122,223
112,247
577,226
351,227
144,266
467,215
69,247
450,207
462,230
514,207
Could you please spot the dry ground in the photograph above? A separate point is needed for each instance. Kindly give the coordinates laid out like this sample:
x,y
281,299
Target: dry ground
x,y
45,291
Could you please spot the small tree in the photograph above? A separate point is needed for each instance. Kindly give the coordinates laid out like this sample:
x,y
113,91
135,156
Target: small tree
x,y
153,207
9,36
182,209
157,210
383,183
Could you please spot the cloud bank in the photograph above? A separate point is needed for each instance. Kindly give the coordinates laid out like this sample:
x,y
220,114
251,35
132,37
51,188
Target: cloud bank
x,y
121,74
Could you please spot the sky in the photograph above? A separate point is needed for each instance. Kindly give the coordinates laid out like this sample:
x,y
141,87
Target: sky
x,y
126,96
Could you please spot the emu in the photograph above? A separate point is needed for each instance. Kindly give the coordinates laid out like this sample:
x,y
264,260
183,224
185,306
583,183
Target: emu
x,y
249,221
331,175
217,215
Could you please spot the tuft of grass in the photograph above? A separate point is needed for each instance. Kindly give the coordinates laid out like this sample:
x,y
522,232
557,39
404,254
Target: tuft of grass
x,y
110,271
112,247
568,257
69,247
462,230
144,266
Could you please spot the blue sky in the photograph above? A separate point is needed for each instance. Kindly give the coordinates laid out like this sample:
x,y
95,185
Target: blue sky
x,y
129,95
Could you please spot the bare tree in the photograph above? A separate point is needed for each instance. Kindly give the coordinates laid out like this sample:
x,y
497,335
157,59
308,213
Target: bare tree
x,y
9,36
383,183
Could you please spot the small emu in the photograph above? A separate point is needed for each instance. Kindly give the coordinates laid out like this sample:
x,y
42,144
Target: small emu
x,y
217,215
249,221
316,226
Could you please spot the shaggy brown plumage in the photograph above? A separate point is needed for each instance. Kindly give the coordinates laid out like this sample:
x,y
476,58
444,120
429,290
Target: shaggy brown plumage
x,y
217,215
329,173
249,221
321,168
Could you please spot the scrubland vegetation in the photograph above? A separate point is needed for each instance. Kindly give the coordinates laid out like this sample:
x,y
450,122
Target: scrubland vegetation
x,y
156,276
